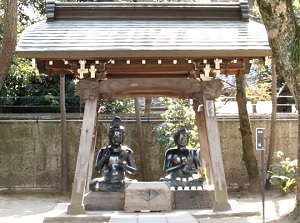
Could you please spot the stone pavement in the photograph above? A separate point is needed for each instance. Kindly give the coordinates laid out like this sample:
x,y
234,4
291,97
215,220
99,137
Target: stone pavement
x,y
245,209
59,215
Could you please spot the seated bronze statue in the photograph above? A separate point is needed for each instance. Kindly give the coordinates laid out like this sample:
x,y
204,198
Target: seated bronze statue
x,y
115,159
182,163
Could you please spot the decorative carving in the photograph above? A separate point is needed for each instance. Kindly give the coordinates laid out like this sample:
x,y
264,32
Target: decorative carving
x,y
82,70
212,89
148,195
218,63
93,70
206,70
210,108
101,67
86,90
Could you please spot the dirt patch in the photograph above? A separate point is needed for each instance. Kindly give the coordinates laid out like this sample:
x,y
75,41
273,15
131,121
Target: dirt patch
x,y
19,205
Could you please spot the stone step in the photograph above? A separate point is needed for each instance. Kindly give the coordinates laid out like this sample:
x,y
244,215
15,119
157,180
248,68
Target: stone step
x,y
77,219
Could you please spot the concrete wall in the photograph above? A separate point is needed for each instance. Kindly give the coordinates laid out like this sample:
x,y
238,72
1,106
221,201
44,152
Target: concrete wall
x,y
30,148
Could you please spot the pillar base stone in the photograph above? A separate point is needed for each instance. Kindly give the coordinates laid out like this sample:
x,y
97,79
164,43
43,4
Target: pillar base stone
x,y
76,209
221,206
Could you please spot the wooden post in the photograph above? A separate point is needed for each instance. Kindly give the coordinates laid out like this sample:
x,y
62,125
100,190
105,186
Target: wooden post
x,y
83,158
216,160
204,150
64,149
92,153
140,134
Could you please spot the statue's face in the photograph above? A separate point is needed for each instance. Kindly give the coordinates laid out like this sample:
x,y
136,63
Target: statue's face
x,y
182,139
116,138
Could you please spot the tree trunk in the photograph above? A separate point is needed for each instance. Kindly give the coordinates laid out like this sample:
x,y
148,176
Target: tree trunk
x,y
283,29
140,139
9,37
272,144
148,102
246,133
64,150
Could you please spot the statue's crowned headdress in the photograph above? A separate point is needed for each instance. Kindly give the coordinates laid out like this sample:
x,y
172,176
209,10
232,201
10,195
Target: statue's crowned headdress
x,y
116,128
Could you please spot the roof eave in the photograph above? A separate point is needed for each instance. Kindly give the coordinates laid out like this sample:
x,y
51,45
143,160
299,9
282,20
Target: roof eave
x,y
224,53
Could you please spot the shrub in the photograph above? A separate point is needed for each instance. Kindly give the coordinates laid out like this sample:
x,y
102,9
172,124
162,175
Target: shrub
x,y
283,172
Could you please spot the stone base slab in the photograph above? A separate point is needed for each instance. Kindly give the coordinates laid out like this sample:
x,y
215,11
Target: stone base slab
x,y
193,199
113,201
147,196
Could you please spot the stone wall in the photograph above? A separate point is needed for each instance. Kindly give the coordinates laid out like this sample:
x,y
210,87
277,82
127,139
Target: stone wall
x,y
30,148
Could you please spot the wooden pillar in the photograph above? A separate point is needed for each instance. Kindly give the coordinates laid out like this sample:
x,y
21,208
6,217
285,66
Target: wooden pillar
x,y
64,148
204,151
85,147
216,160
92,153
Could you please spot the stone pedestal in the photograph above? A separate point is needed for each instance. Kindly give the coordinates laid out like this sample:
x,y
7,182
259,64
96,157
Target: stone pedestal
x,y
193,199
99,201
147,196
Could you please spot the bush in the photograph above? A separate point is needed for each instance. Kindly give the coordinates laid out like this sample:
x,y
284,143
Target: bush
x,y
283,172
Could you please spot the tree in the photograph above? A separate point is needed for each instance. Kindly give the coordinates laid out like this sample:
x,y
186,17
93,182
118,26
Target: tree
x,y
283,32
9,39
246,134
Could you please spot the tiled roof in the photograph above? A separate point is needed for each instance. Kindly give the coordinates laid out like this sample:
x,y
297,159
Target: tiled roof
x,y
135,36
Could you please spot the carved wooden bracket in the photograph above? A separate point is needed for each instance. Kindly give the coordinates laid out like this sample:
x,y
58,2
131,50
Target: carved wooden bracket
x,y
212,89
87,89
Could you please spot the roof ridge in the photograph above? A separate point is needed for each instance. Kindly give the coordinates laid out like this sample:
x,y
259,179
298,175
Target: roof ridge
x,y
223,11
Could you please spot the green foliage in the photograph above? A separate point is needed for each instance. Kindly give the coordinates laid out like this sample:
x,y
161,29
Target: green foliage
x,y
31,11
259,86
283,172
117,106
259,92
179,112
25,86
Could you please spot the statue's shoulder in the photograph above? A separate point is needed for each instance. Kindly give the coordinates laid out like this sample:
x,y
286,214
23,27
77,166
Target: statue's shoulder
x,y
170,150
191,148
104,148
101,150
127,149
194,151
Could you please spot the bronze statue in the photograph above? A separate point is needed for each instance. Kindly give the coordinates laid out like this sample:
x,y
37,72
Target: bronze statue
x,y
116,159
182,162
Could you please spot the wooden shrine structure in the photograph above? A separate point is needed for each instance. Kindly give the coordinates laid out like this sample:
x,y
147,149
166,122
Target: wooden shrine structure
x,y
120,50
